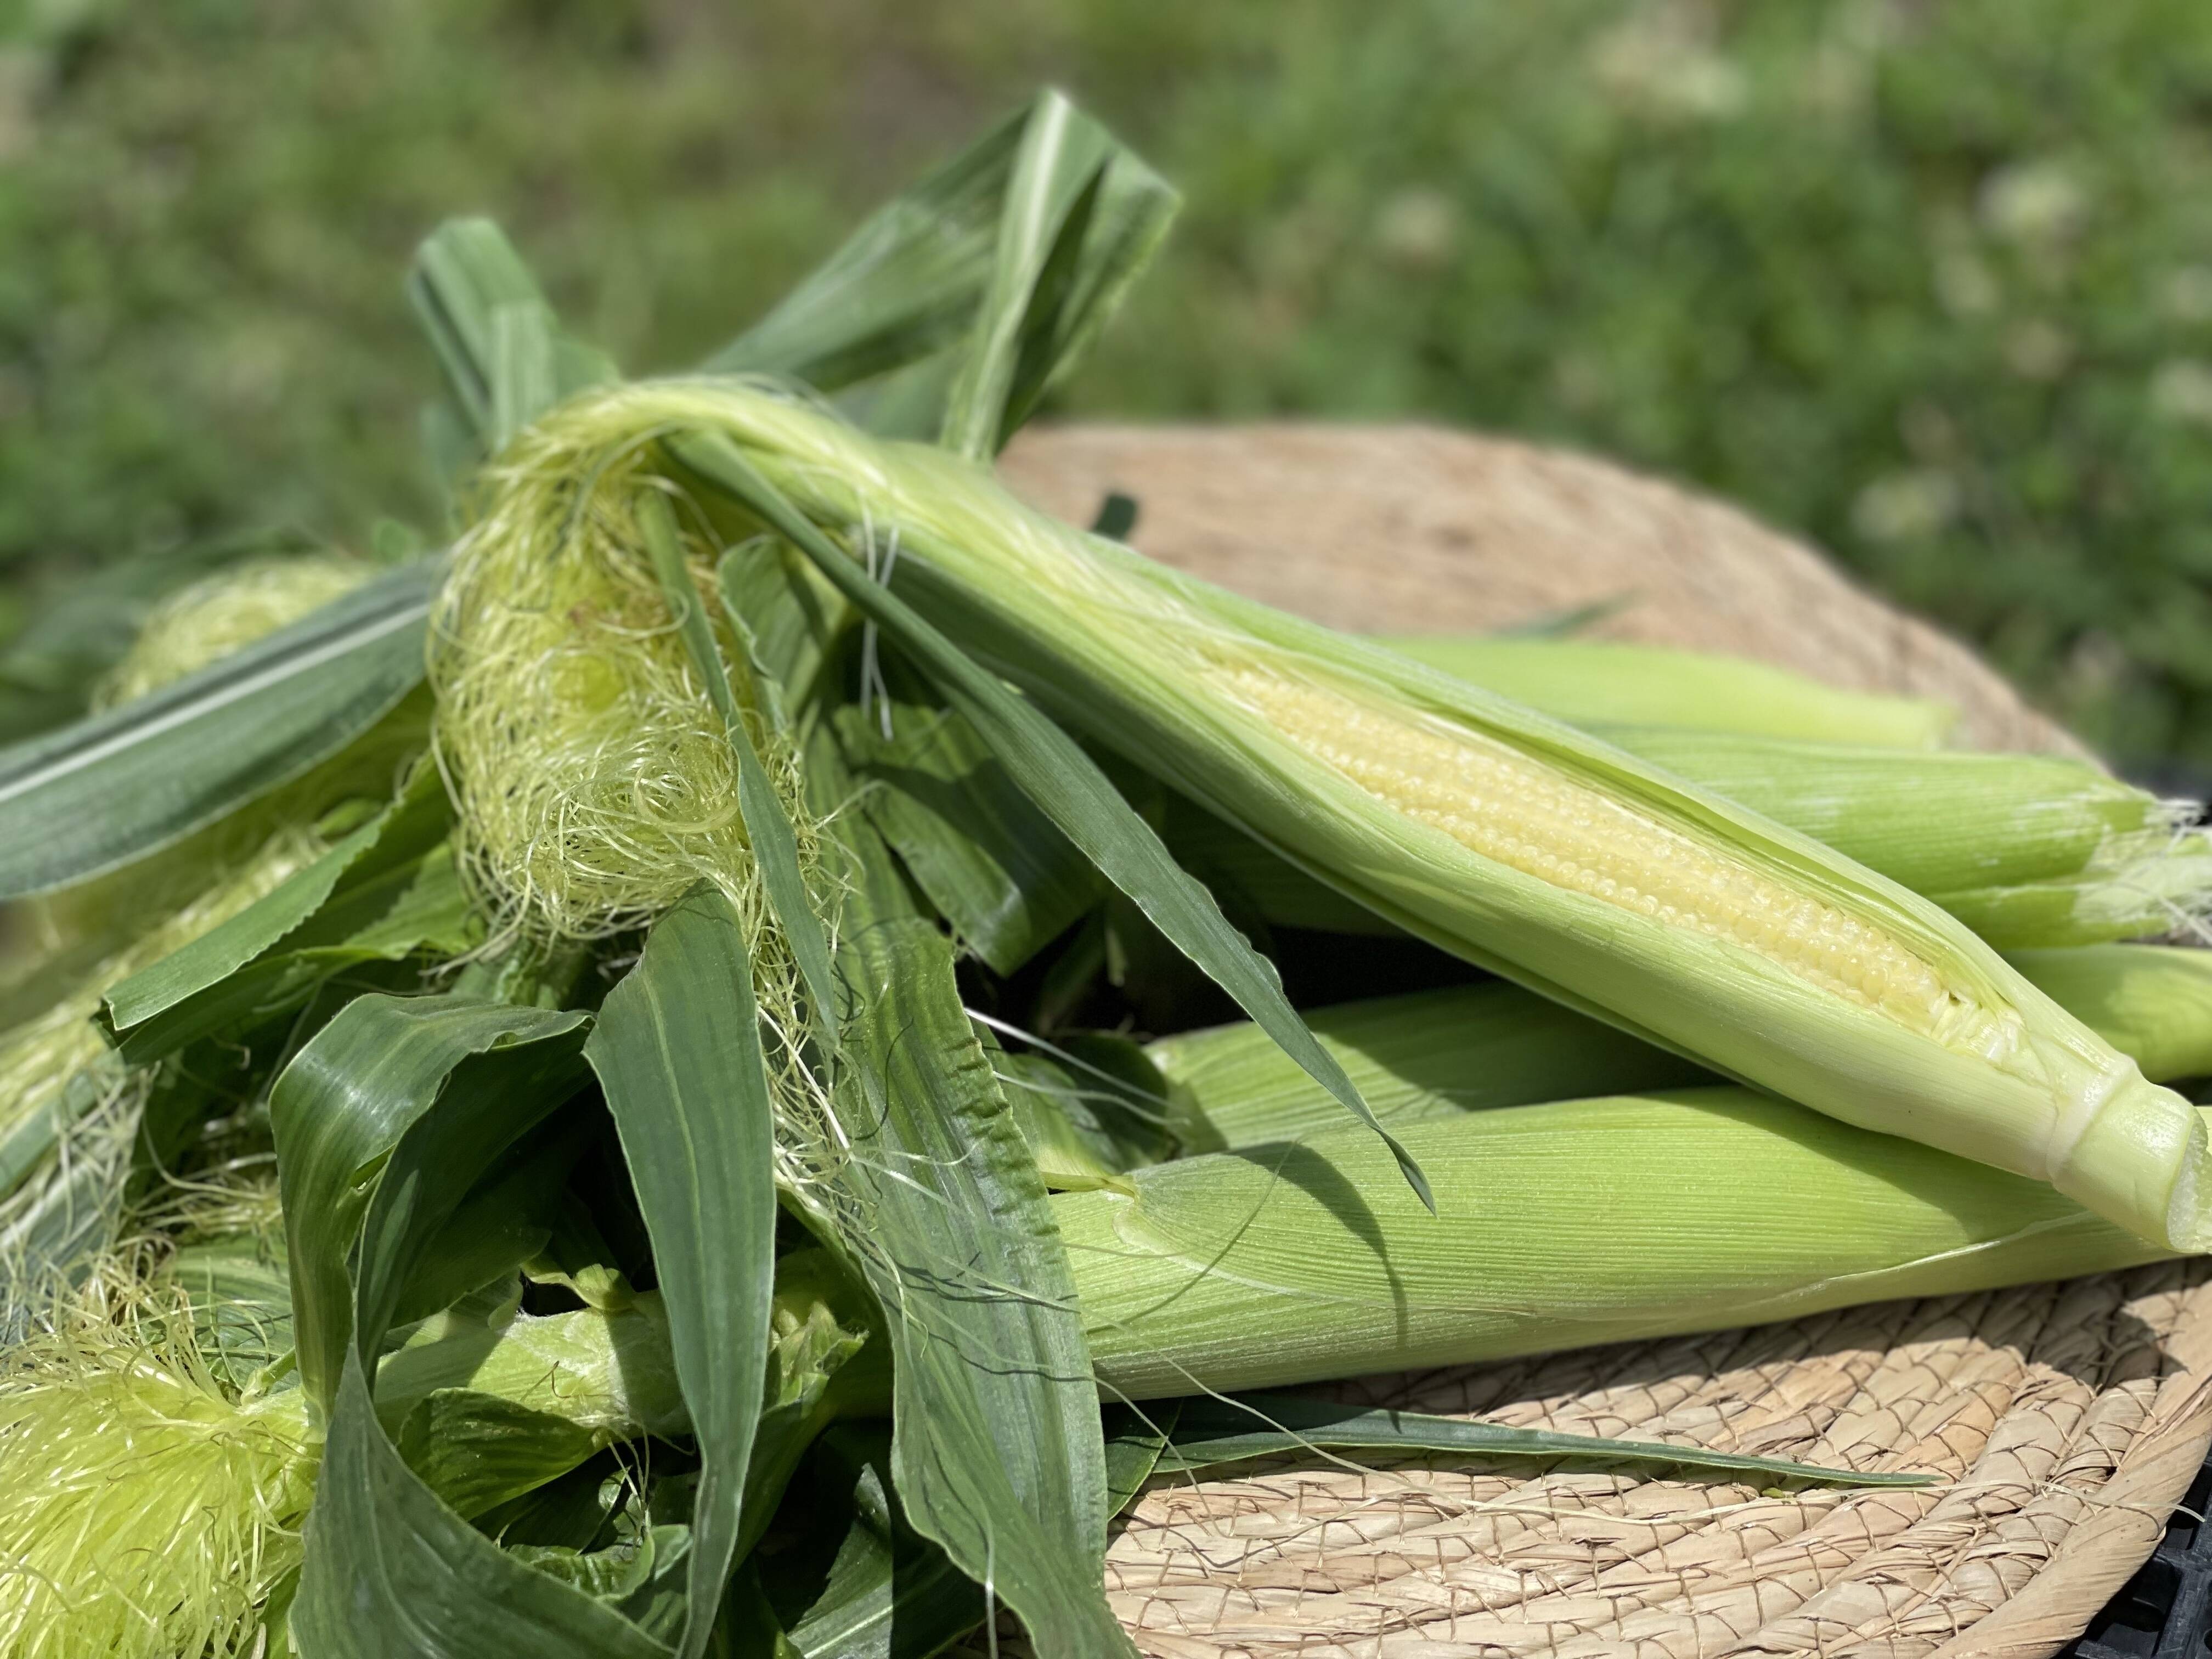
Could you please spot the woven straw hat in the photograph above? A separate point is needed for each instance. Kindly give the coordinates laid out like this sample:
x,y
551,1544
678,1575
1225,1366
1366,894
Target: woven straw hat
x,y
2066,1419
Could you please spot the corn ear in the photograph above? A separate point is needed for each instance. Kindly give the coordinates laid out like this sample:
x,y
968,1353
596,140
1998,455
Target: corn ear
x,y
2151,1001
1430,1055
1557,1226
1591,682
1519,843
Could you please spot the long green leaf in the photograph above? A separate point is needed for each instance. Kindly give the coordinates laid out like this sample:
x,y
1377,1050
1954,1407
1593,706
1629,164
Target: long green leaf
x,y
506,358
677,1050
1210,1431
997,1451
1081,216
1054,772
120,785
392,845
767,825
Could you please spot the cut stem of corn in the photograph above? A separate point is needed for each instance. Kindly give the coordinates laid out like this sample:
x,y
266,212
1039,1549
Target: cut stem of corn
x,y
1557,1226
1519,843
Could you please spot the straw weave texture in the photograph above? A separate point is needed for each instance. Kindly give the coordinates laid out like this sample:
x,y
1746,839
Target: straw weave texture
x,y
2065,1419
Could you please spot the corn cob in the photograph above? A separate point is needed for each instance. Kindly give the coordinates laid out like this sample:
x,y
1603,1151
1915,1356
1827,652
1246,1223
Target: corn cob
x,y
1557,1225
1585,682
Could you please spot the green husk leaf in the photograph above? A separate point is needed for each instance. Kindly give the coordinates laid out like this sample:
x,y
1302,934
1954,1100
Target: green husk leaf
x,y
1054,772
506,358
433,1091
1081,217
677,1050
997,1452
1208,1432
768,826
115,786
367,892
995,867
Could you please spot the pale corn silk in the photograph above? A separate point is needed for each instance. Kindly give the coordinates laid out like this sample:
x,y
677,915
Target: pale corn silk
x,y
145,1510
1491,831
593,782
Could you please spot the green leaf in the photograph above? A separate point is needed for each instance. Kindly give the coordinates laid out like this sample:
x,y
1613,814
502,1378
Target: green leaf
x,y
996,269
1210,1432
118,785
995,867
161,1007
506,358
767,825
1052,771
1081,217
342,1104
885,1593
392,1573
384,1123
1135,1440
477,1451
997,1452
678,1051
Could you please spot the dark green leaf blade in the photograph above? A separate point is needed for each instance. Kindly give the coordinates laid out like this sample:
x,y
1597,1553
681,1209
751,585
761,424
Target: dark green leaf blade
x,y
1054,772
767,825
395,838
120,785
995,867
997,1451
1210,1432
338,1109
677,1050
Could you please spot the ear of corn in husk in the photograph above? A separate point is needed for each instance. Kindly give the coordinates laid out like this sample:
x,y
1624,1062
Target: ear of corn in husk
x,y
2026,849
1596,681
1557,1226
1440,1053
2151,1001
1523,845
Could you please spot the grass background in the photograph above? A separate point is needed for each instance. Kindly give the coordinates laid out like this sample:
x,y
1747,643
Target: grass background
x,y
1928,280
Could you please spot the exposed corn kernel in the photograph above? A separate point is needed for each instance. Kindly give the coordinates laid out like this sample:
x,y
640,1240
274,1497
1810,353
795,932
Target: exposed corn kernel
x,y
1532,817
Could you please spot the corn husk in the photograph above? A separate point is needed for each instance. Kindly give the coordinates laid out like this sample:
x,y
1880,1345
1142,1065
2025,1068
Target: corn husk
x,y
1598,682
1557,1226
2153,1001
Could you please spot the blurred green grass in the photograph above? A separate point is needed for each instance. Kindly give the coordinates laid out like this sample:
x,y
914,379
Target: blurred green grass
x,y
1929,279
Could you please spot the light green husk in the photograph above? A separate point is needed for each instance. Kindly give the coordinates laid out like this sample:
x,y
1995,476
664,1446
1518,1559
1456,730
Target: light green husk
x,y
1596,682
2027,850
1440,1053
2153,1001
226,612
1557,1225
1523,845
1415,1058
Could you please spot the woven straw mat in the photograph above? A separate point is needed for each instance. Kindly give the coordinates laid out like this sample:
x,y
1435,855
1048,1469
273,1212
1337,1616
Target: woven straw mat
x,y
2065,1419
